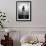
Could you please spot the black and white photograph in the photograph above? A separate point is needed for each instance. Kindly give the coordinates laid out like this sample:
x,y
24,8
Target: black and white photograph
x,y
23,10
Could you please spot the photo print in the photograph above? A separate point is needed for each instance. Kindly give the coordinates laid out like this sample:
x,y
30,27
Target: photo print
x,y
23,10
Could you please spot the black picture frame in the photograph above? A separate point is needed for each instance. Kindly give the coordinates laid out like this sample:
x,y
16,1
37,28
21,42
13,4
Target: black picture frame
x,y
21,14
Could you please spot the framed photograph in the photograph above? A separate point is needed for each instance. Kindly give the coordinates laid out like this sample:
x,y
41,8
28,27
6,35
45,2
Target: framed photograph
x,y
23,10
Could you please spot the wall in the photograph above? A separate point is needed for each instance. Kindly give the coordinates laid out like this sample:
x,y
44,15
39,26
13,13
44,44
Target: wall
x,y
38,13
38,22
13,35
18,35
